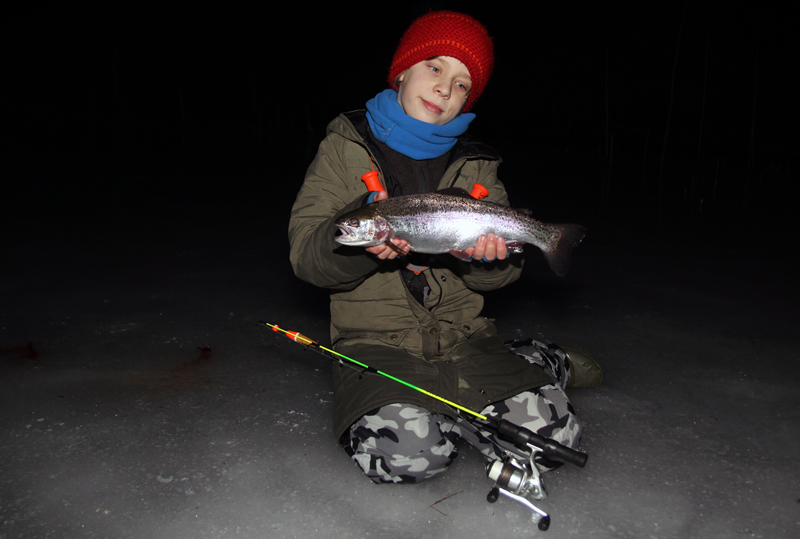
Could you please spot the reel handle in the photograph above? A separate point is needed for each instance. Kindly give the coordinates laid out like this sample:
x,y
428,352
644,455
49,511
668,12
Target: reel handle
x,y
521,437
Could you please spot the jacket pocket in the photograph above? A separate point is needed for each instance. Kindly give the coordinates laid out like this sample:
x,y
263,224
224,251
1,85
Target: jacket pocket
x,y
477,328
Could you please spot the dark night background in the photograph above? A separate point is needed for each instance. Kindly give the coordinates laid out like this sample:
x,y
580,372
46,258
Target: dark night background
x,y
672,119
150,157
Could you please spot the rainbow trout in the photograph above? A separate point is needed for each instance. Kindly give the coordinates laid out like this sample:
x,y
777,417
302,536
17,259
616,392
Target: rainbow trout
x,y
441,223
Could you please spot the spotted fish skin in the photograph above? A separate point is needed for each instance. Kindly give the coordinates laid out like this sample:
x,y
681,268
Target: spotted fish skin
x,y
439,223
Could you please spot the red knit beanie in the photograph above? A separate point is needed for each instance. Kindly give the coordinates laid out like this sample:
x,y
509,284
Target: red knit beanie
x,y
447,33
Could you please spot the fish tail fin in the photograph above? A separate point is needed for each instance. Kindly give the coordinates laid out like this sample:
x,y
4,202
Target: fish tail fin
x,y
559,252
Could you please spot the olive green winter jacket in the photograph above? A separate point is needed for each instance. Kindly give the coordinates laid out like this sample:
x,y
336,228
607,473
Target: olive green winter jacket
x,y
444,346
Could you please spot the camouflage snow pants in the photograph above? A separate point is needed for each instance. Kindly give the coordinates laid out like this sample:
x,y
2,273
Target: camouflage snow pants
x,y
403,443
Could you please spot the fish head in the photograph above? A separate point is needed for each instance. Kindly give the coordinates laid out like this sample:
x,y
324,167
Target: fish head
x,y
361,228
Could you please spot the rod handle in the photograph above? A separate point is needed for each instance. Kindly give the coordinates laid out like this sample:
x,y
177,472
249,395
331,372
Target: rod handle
x,y
521,436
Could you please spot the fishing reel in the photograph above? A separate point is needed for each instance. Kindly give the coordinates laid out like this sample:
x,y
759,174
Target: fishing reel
x,y
518,478
521,478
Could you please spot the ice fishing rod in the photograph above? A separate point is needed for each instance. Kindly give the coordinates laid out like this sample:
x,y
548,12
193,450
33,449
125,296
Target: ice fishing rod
x,y
507,430
514,478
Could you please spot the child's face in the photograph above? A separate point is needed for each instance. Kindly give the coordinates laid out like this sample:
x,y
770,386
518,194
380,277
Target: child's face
x,y
434,90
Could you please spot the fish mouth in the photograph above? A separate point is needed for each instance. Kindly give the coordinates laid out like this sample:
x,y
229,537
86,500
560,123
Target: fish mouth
x,y
346,235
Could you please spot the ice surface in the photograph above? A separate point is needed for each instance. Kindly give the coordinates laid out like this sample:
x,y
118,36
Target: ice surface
x,y
140,398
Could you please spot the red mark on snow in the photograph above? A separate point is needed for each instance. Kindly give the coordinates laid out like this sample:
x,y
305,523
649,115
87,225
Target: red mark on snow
x,y
191,372
19,353
205,355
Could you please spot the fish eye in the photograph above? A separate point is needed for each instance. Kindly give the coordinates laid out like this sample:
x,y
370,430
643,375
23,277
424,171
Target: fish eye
x,y
353,222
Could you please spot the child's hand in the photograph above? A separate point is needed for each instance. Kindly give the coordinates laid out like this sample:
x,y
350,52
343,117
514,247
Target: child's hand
x,y
488,248
384,252
380,195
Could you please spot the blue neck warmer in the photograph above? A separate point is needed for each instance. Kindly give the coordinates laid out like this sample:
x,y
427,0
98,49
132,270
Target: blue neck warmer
x,y
409,136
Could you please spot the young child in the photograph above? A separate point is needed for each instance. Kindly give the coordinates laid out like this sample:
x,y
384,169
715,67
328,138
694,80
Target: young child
x,y
418,317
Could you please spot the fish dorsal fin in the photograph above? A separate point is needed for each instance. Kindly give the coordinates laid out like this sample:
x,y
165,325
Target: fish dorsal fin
x,y
525,211
454,192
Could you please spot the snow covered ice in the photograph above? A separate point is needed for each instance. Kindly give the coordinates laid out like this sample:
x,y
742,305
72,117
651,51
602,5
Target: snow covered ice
x,y
141,399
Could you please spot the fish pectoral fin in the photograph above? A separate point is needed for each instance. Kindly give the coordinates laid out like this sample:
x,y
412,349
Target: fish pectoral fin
x,y
461,255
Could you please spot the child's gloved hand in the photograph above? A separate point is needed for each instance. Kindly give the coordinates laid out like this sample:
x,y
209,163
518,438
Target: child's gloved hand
x,y
488,248
384,252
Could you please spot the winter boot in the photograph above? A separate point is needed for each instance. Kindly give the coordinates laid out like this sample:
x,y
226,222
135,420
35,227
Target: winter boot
x,y
585,371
